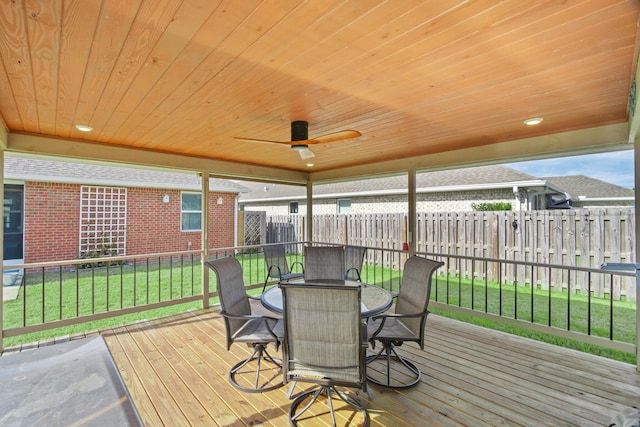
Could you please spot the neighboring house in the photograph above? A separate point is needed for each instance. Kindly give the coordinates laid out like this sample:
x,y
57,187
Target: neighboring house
x,y
586,192
450,190
60,210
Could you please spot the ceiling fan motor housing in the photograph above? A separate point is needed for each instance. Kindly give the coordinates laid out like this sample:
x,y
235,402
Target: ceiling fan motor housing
x,y
299,130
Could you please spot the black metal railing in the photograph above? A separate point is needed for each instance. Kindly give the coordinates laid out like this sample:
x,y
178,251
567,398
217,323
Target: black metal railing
x,y
552,298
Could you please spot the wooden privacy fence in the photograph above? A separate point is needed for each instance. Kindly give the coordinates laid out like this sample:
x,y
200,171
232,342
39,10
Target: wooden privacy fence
x,y
573,237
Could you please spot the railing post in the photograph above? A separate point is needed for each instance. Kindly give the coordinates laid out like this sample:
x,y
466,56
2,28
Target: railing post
x,y
635,267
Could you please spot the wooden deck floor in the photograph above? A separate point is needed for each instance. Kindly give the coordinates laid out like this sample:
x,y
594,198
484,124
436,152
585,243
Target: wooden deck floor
x,y
175,369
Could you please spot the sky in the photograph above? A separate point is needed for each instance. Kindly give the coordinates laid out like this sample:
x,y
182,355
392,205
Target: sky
x,y
615,167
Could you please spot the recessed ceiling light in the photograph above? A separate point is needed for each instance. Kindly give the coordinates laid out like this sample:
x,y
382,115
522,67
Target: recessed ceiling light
x,y
533,121
309,165
84,128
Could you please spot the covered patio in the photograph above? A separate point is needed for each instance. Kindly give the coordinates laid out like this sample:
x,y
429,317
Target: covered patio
x,y
214,87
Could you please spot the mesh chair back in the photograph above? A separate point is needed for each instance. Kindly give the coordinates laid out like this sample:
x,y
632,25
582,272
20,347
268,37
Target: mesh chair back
x,y
275,258
353,259
415,291
323,335
233,295
324,262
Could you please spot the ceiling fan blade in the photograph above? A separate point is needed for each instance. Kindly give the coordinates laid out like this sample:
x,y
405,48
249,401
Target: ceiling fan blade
x,y
306,154
337,136
262,141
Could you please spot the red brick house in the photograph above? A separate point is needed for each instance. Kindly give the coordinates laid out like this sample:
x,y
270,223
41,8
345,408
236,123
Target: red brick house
x,y
60,210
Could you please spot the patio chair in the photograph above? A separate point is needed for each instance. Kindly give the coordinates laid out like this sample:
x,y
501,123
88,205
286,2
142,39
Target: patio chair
x,y
331,356
405,324
244,327
353,259
324,263
275,258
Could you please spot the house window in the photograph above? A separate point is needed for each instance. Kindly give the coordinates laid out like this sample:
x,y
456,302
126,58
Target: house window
x,y
344,206
191,212
103,221
293,207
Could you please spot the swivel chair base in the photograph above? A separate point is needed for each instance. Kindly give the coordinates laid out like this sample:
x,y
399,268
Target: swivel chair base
x,y
329,391
260,354
390,356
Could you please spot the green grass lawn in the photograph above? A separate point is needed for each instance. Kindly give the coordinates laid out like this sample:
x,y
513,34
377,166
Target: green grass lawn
x,y
129,286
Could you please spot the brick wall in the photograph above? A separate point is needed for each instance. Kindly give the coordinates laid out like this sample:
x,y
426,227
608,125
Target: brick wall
x,y
154,226
52,215
51,221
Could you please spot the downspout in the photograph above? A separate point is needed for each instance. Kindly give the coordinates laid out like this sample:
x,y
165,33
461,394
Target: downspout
x,y
516,195
204,237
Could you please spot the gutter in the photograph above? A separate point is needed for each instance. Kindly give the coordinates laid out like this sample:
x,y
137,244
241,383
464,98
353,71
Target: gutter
x,y
115,183
403,191
606,199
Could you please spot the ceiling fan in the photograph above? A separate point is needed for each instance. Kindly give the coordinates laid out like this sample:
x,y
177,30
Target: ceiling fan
x,y
300,138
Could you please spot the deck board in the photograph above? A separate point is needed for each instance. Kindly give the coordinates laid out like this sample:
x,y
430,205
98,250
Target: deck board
x,y
176,371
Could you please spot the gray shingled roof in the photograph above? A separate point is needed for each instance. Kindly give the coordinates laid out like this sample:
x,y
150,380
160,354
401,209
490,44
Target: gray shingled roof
x,y
45,170
480,175
580,185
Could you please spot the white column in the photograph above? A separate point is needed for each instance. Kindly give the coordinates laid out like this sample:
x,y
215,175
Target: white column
x,y
636,158
412,216
2,246
204,237
309,224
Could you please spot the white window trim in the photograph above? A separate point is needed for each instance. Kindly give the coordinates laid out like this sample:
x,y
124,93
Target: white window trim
x,y
183,211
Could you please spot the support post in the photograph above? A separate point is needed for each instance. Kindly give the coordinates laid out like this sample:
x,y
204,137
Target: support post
x,y
2,246
309,212
204,236
636,165
412,216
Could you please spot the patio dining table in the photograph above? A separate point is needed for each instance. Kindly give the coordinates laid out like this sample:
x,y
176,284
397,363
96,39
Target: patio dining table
x,y
374,300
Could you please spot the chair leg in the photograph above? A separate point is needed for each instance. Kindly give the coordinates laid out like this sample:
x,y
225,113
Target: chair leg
x,y
390,356
259,354
329,391
291,387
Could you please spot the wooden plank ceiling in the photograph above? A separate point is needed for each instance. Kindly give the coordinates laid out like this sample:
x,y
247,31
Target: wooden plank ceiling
x,y
416,78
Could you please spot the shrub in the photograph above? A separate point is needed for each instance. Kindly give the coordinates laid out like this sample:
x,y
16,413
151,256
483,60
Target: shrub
x,y
491,206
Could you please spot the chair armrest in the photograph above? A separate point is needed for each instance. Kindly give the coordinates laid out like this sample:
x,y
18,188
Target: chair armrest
x,y
346,274
400,316
297,263
247,316
277,268
251,317
384,317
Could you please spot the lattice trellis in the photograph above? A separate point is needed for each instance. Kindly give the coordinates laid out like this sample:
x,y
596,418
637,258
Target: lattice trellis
x,y
103,221
254,227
